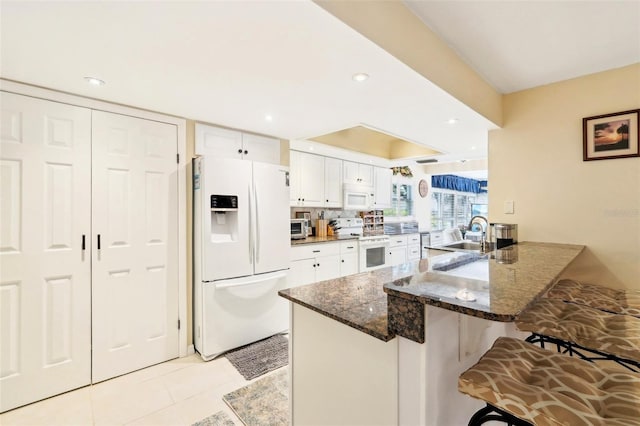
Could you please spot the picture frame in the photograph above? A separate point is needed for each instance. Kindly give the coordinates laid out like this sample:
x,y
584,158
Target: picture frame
x,y
611,136
303,215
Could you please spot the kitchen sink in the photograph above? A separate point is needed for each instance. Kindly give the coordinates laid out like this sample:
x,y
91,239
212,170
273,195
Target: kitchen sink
x,y
469,245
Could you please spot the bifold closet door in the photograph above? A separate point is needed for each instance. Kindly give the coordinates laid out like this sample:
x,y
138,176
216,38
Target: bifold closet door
x,y
135,238
45,262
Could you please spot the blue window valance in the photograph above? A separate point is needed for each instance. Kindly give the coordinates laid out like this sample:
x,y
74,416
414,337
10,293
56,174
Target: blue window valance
x,y
458,183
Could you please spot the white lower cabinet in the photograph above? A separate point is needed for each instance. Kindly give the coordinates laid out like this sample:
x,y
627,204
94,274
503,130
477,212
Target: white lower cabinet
x,y
398,249
404,248
349,258
323,261
413,247
88,258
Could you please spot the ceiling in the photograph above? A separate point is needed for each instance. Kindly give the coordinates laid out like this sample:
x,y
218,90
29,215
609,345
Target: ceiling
x,y
516,45
232,63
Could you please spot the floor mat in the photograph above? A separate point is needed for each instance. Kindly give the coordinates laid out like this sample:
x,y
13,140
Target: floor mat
x,y
261,357
264,402
218,419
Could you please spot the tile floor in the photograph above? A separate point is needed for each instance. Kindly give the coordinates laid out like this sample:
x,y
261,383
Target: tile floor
x,y
178,392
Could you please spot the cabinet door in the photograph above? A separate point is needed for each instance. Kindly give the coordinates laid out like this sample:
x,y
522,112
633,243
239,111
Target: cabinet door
x,y
260,148
312,184
327,267
332,182
398,255
382,187
349,264
301,272
45,270
295,178
350,172
217,142
413,252
365,173
134,271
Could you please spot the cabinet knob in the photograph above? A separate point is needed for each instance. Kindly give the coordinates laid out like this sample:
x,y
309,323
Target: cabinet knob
x,y
342,260
240,151
246,152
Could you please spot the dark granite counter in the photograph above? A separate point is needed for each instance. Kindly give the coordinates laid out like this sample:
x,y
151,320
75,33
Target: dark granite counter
x,y
495,286
358,300
327,239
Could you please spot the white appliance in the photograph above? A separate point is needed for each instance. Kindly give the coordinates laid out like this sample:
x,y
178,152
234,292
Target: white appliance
x,y
374,252
241,252
357,197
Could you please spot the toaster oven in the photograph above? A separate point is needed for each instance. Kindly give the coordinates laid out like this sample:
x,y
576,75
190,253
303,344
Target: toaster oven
x,y
298,229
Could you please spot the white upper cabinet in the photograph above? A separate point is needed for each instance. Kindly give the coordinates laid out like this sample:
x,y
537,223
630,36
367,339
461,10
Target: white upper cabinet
x,y
225,143
357,173
306,179
332,182
382,187
260,148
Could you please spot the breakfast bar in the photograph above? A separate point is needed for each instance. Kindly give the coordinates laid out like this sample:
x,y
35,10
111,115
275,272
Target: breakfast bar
x,y
390,343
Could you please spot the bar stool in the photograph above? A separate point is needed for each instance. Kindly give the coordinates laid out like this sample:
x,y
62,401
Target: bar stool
x,y
606,299
579,330
526,385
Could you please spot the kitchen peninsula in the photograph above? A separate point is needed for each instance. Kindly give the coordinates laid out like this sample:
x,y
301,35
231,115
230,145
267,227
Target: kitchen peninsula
x,y
387,346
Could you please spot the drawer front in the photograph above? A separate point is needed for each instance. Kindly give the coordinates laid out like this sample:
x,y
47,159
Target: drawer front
x,y
436,239
413,252
307,251
349,247
413,239
397,240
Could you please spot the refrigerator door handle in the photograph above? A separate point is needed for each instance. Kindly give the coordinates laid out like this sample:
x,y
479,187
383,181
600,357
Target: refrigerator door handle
x,y
250,225
255,194
253,279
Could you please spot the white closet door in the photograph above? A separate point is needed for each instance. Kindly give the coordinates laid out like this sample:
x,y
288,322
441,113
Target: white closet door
x,y
45,275
135,270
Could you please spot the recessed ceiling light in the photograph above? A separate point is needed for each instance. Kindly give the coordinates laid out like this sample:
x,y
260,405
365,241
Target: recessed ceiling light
x,y
452,121
473,147
94,81
268,117
359,77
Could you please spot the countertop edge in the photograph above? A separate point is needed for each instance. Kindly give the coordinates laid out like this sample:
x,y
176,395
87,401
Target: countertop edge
x,y
370,332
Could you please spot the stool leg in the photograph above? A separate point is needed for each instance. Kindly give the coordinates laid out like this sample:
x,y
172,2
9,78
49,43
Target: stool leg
x,y
490,413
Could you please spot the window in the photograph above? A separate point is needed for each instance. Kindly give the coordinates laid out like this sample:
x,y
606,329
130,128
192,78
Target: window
x,y
401,201
449,209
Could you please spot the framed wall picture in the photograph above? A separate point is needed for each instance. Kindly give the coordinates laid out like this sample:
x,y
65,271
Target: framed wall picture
x,y
611,136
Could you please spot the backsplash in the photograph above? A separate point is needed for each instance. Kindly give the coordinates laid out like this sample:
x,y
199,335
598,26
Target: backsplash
x,y
328,213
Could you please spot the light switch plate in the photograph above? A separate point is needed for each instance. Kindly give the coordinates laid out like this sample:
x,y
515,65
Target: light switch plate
x,y
508,207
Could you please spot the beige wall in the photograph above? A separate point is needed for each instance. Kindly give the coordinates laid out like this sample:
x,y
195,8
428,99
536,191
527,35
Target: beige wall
x,y
536,161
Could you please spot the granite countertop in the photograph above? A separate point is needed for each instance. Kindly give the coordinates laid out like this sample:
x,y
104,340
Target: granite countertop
x,y
356,300
500,287
327,239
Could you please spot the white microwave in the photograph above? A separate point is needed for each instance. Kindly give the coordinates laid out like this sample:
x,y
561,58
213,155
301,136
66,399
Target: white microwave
x,y
357,197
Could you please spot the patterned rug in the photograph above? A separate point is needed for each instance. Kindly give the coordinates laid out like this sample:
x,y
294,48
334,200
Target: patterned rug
x,y
218,419
259,358
264,402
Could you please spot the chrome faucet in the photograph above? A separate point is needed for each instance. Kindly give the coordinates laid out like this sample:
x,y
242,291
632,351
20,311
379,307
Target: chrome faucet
x,y
479,220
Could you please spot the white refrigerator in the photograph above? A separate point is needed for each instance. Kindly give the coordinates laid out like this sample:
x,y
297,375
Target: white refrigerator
x,y
241,241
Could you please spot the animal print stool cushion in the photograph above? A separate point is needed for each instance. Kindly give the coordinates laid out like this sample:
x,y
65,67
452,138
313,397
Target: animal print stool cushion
x,y
618,335
546,388
616,301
